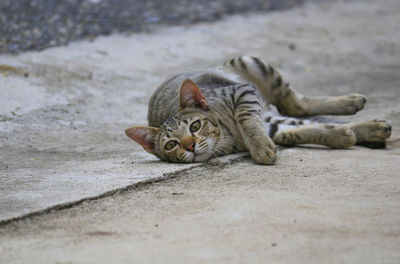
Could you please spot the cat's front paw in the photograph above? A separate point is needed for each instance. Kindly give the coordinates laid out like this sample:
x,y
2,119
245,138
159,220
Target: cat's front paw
x,y
352,103
264,153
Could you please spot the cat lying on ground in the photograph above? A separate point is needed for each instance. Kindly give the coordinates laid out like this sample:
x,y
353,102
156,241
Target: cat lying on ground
x,y
199,115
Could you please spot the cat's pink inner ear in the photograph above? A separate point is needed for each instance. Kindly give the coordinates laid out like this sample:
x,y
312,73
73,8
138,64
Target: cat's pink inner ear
x,y
145,136
191,96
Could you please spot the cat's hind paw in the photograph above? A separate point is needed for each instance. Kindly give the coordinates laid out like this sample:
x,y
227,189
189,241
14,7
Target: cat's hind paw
x,y
373,134
352,103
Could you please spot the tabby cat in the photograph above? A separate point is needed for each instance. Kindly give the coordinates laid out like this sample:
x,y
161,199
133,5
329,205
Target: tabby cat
x,y
195,116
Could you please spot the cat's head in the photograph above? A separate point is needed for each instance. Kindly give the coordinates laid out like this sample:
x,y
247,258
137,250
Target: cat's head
x,y
191,135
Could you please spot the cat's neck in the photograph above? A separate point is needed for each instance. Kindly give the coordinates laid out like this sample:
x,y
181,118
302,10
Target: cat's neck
x,y
227,143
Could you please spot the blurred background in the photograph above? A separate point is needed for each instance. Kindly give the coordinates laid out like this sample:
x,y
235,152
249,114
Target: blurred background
x,y
38,24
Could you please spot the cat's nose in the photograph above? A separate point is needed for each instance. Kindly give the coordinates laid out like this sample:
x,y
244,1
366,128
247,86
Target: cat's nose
x,y
190,146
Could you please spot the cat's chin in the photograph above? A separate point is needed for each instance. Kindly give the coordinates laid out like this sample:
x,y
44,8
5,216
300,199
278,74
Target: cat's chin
x,y
196,157
201,157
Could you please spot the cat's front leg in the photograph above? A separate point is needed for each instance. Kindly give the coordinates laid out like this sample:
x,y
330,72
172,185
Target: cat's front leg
x,y
248,109
261,147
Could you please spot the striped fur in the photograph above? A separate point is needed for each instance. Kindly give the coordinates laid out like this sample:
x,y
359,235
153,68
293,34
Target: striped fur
x,y
197,115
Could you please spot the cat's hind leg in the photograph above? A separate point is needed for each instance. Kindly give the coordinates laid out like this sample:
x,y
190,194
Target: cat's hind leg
x,y
372,134
271,117
289,131
292,131
331,135
289,102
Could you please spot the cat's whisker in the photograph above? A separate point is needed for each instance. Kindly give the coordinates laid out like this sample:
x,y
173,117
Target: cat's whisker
x,y
216,153
224,145
203,145
222,150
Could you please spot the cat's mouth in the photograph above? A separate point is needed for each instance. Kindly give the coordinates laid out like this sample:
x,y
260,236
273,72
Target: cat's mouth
x,y
200,154
200,157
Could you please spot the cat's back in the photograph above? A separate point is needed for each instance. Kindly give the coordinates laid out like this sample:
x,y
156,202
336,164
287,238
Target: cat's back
x,y
165,100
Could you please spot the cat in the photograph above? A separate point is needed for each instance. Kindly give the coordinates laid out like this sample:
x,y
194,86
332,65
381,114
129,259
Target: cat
x,y
199,115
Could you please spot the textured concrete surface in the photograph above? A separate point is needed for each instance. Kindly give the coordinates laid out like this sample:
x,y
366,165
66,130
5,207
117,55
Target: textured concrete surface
x,y
39,24
315,206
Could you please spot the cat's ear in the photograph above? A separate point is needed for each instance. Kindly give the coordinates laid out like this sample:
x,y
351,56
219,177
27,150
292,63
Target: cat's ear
x,y
145,136
191,96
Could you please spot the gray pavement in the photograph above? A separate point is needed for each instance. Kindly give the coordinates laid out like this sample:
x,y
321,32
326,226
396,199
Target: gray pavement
x,y
39,24
61,140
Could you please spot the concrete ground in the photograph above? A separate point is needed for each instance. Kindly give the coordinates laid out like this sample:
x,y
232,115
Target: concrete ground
x,y
62,141
40,24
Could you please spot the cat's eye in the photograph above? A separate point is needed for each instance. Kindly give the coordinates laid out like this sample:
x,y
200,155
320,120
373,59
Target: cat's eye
x,y
170,144
195,126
